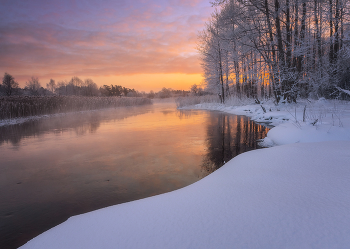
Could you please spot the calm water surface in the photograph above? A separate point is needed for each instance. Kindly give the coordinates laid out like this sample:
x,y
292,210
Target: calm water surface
x,y
54,168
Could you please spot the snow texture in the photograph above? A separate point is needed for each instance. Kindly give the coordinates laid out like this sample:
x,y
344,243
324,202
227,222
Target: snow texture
x,y
290,196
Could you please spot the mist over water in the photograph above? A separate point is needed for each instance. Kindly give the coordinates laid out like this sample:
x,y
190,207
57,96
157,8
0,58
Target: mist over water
x,y
54,168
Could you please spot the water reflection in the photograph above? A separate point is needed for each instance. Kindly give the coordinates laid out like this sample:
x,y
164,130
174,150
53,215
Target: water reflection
x,y
80,122
54,168
228,136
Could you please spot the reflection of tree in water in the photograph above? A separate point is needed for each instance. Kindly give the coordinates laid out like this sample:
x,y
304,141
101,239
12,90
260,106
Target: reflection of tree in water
x,y
228,136
166,112
186,114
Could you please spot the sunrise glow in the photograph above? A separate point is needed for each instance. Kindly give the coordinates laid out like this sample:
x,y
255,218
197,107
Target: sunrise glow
x,y
155,82
144,45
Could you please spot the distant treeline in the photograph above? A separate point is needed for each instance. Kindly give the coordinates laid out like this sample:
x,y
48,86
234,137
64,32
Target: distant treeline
x,y
73,95
78,87
23,106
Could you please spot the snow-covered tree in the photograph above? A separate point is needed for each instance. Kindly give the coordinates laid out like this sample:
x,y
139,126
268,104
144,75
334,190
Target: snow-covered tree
x,y
284,48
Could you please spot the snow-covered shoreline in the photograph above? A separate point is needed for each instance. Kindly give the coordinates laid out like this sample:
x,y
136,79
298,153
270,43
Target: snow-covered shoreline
x,y
15,121
289,196
316,121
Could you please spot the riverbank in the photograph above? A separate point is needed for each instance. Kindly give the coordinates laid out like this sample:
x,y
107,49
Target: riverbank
x,y
289,196
20,109
306,121
31,106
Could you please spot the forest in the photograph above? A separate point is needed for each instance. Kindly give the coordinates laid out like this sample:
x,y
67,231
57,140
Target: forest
x,y
277,49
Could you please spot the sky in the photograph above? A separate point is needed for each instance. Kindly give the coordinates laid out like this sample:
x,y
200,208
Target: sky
x,y
138,44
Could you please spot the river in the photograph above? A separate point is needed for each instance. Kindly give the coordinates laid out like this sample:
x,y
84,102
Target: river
x,y
56,167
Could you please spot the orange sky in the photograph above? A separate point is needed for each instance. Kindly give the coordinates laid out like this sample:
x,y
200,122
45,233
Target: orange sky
x,y
138,44
155,82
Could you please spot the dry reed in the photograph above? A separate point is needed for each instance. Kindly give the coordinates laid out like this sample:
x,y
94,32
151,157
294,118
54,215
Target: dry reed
x,y
24,106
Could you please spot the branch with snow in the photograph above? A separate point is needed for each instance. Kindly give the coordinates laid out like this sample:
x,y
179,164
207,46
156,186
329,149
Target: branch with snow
x,y
343,90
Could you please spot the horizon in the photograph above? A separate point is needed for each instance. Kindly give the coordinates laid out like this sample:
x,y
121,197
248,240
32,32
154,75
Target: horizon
x,y
140,45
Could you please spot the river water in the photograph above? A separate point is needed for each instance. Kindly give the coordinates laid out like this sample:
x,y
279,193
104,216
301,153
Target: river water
x,y
57,167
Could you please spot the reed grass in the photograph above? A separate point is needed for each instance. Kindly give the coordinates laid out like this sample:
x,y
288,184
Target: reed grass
x,y
24,106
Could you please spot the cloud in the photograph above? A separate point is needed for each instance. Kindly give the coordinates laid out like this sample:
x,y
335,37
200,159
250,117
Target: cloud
x,y
143,37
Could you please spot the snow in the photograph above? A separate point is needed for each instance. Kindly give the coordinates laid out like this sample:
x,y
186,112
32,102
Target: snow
x,y
343,90
21,120
290,196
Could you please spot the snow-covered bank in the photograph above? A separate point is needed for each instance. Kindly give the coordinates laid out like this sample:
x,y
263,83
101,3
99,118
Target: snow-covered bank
x,y
291,196
316,121
14,121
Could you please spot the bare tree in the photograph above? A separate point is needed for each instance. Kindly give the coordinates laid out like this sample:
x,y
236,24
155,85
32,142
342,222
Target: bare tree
x,y
90,88
51,86
74,86
33,85
9,84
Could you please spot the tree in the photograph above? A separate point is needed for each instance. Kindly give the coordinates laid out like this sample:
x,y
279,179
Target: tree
x,y
33,85
90,88
9,84
51,86
74,86
61,88
196,90
291,48
151,94
213,49
164,93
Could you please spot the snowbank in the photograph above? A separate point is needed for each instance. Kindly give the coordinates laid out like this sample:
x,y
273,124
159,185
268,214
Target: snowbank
x,y
291,196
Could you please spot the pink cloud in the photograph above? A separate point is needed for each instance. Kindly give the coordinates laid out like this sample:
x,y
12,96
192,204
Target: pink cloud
x,y
190,3
155,40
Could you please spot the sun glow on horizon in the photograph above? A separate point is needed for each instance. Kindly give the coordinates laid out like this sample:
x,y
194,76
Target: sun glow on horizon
x,y
137,44
155,82
140,82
